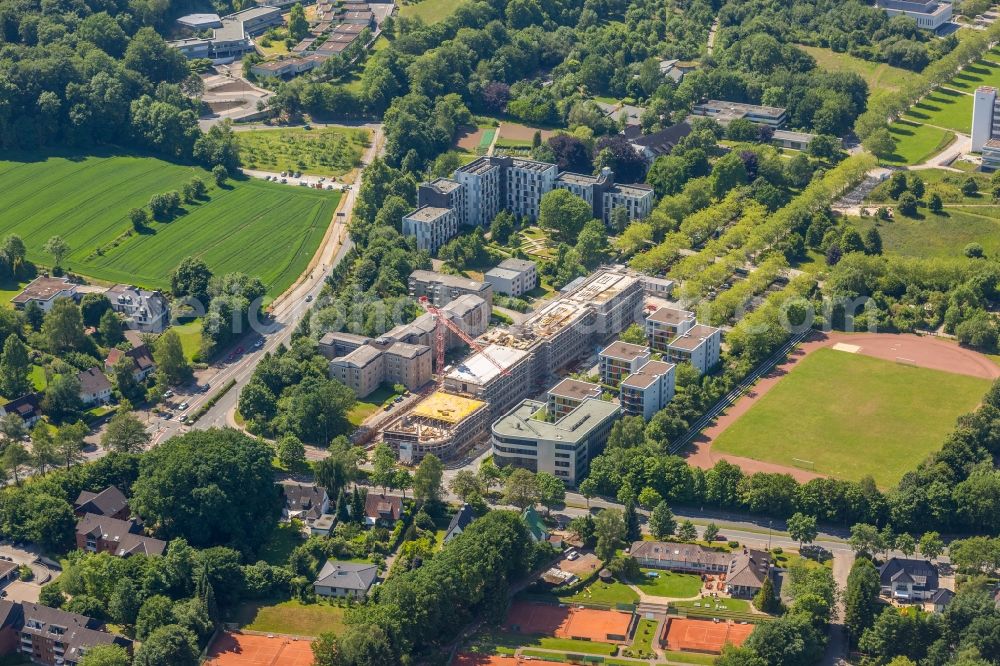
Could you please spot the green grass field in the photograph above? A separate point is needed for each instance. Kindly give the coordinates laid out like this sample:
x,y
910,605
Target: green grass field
x,y
879,76
283,541
915,143
669,584
504,642
327,151
946,108
853,415
430,11
947,184
982,73
253,226
292,617
942,235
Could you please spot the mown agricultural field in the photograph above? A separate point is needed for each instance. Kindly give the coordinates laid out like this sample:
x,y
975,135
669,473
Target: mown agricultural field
x,y
327,151
253,226
833,406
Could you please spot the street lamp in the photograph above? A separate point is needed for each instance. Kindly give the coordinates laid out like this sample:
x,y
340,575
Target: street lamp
x,y
769,523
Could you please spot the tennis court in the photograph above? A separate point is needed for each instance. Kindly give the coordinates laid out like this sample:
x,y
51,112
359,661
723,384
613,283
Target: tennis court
x,y
586,624
236,649
704,635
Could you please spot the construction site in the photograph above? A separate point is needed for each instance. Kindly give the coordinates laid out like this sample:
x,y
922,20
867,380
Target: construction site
x,y
443,424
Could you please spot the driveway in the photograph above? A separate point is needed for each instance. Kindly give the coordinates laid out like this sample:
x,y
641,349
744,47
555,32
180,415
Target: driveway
x,y
43,573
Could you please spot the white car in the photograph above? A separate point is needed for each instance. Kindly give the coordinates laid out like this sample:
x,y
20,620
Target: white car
x,y
182,406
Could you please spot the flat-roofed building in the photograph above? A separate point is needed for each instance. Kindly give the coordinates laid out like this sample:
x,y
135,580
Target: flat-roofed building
x,y
567,395
526,182
665,324
649,389
340,343
991,155
620,359
603,195
441,288
563,448
483,180
725,112
44,291
432,227
444,193
657,286
792,140
200,21
700,346
470,313
480,377
928,14
443,424
513,277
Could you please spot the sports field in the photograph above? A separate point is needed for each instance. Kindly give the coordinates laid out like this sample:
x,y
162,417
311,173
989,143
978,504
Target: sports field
x,y
851,415
253,226
560,621
326,151
705,635
232,649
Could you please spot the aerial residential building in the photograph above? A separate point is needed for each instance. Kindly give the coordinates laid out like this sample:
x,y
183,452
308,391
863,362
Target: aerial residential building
x,y
563,447
444,193
43,291
700,346
110,502
469,313
908,579
928,14
991,155
141,358
121,538
441,288
792,140
658,144
621,359
567,395
54,637
304,501
28,407
513,277
526,182
432,227
725,112
665,324
345,579
985,117
649,389
603,195
747,572
461,520
94,387
483,182
142,309
382,509
443,424
480,377
383,361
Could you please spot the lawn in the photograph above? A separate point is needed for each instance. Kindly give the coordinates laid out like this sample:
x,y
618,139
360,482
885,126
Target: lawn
x,y
944,108
372,403
292,617
190,334
283,541
9,290
669,584
732,605
604,593
327,151
38,379
916,143
946,184
982,73
501,642
265,229
879,76
938,235
645,633
429,11
852,416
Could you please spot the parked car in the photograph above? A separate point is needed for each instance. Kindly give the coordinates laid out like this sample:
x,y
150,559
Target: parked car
x,y
259,343
309,298
204,387
184,418
182,406
168,394
399,398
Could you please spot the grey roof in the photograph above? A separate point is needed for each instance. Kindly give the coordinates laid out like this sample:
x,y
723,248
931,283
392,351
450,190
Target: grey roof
x,y
662,142
690,554
43,288
624,350
306,498
461,519
748,568
671,316
108,502
942,597
427,213
925,7
921,573
123,532
93,381
27,406
360,357
457,281
78,631
463,305
572,428
647,374
520,265
347,575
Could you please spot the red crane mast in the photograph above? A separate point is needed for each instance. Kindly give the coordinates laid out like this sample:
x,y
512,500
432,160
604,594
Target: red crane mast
x,y
444,322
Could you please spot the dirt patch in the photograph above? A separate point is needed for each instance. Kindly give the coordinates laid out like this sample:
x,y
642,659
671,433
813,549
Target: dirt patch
x,y
468,138
582,566
519,132
232,86
918,350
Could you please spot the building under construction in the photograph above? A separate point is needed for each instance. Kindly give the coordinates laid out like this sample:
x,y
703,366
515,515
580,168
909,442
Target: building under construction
x,y
443,424
498,375
589,312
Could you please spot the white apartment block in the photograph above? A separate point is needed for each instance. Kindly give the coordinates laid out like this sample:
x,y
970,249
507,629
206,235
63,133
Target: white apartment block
x,y
513,277
621,359
444,193
700,346
567,395
482,180
431,226
647,391
985,117
636,199
665,324
991,155
526,182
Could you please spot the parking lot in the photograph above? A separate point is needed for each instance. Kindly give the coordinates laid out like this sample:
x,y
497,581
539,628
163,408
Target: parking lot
x,y
18,590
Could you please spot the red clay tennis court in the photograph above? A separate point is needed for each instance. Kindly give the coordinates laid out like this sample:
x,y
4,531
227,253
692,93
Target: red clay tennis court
x,y
704,635
564,622
234,649
469,659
